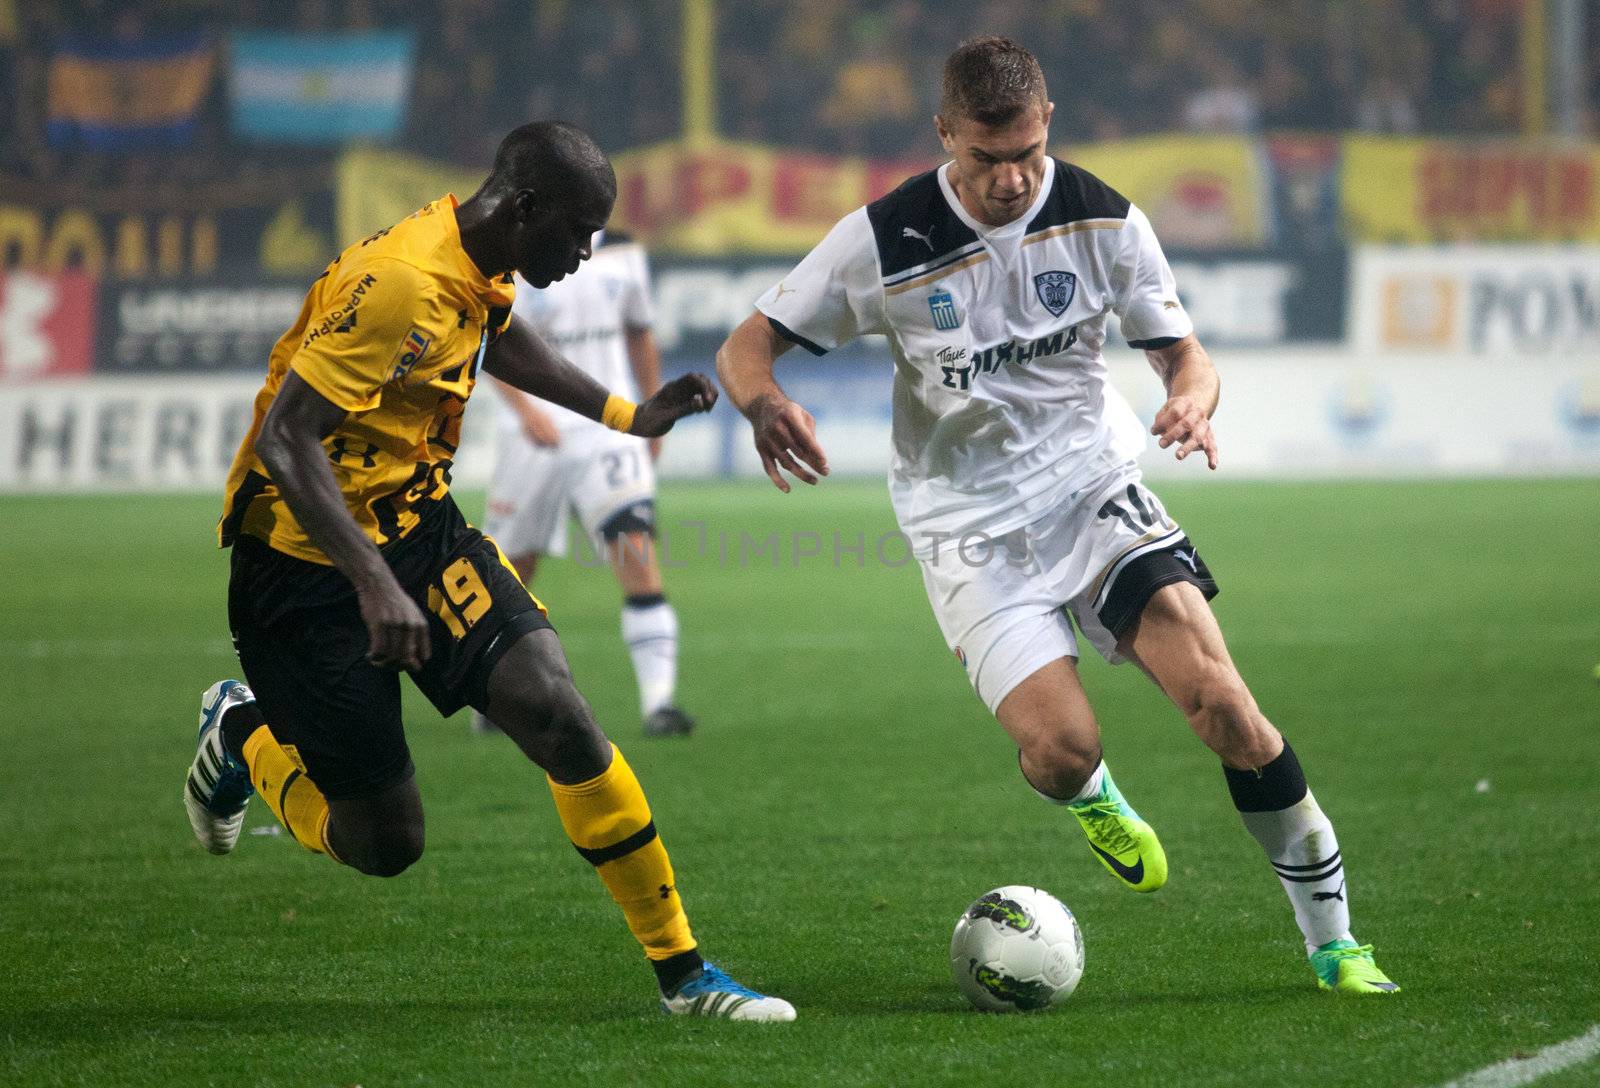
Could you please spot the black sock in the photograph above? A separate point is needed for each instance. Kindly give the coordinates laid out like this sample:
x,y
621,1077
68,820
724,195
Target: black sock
x,y
1273,788
238,722
674,971
644,600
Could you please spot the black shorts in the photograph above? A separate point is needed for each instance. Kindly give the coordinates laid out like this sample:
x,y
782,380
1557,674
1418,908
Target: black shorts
x,y
303,646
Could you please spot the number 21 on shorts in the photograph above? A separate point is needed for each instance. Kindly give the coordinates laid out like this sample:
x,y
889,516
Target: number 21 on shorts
x,y
459,597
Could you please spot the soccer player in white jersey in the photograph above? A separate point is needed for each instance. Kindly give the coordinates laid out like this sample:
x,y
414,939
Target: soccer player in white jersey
x,y
551,462
1014,475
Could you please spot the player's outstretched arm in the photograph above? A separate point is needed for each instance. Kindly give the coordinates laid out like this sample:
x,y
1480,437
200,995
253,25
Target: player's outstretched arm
x,y
1193,389
522,359
290,446
785,433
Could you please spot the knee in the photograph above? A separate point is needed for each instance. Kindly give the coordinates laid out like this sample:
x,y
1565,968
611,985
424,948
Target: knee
x,y
552,723
389,852
1224,715
550,707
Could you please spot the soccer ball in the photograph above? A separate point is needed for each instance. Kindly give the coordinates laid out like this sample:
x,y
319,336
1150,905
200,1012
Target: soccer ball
x,y
1017,948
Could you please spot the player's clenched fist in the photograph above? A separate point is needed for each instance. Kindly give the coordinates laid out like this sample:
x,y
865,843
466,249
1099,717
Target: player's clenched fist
x,y
786,435
680,397
1181,421
398,630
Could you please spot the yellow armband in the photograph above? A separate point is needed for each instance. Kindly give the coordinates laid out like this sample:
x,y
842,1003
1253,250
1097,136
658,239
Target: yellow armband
x,y
618,413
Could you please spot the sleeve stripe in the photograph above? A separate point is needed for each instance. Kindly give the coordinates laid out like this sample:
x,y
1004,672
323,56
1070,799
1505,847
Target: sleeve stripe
x,y
1156,344
795,338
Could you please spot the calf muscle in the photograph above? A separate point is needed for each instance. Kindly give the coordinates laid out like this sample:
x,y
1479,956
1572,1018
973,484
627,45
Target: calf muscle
x,y
1178,643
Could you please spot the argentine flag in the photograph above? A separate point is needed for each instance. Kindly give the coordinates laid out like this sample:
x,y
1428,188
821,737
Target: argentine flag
x,y
322,88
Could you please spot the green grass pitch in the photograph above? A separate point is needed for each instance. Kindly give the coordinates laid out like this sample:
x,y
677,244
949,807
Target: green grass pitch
x,y
1428,647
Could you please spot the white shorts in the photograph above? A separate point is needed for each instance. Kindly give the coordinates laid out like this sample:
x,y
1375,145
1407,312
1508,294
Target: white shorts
x,y
1003,605
603,477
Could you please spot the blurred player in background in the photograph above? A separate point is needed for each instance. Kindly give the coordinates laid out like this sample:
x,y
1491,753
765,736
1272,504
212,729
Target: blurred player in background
x,y
1014,472
350,560
551,460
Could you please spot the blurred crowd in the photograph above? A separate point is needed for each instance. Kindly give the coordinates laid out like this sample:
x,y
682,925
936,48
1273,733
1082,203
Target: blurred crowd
x,y
825,75
837,75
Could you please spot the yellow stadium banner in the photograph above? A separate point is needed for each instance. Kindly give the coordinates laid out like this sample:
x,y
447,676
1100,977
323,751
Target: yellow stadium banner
x,y
374,189
748,198
726,197
1400,190
1200,192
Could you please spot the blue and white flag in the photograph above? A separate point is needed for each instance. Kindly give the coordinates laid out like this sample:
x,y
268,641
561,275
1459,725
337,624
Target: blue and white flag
x,y
321,88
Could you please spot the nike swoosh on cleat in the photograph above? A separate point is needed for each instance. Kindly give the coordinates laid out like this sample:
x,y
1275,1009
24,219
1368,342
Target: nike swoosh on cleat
x,y
1131,873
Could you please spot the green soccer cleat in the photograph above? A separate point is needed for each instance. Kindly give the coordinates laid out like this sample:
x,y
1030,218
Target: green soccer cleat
x,y
1345,967
1125,844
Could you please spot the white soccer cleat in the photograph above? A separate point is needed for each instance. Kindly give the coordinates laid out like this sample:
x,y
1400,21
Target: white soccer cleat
x,y
218,787
710,992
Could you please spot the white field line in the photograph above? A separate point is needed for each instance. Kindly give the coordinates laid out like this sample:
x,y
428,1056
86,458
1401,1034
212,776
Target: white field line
x,y
1518,1071
40,649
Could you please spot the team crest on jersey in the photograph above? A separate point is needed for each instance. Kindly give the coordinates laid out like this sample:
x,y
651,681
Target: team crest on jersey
x,y
943,306
412,349
1056,290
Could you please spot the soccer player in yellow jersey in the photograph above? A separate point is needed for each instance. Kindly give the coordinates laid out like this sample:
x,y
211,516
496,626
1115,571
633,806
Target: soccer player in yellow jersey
x,y
350,560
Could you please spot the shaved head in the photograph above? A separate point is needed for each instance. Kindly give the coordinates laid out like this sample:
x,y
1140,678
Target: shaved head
x,y
559,162
550,191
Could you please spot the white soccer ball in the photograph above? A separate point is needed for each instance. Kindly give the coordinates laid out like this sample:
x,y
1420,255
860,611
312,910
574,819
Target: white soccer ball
x,y
1017,948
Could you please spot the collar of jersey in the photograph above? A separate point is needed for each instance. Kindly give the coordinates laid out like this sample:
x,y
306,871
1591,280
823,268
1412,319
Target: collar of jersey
x,y
480,284
1018,225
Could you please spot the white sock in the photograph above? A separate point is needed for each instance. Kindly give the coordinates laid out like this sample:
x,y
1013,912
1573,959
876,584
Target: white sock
x,y
650,628
1304,852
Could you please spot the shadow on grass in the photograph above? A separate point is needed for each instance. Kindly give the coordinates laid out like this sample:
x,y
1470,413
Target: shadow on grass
x,y
943,1000
311,1018
354,1016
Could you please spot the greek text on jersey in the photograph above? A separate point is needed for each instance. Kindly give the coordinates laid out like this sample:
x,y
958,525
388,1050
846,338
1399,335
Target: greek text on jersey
x,y
991,359
342,319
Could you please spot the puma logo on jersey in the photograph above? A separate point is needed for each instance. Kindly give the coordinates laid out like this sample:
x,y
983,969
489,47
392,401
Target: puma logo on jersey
x,y
925,239
782,290
1186,557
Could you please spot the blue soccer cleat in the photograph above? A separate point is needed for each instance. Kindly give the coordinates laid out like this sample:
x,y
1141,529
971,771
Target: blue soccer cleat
x,y
218,787
710,992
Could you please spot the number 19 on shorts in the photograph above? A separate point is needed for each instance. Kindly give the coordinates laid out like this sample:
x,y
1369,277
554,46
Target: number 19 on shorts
x,y
459,597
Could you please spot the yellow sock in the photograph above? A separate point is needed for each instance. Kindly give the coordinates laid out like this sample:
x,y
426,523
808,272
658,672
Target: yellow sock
x,y
280,778
608,820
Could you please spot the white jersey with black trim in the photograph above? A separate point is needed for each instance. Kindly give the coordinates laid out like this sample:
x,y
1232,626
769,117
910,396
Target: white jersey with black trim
x,y
1002,402
585,317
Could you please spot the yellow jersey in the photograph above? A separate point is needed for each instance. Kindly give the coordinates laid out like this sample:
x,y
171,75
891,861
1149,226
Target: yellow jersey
x,y
393,332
